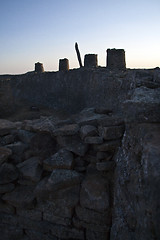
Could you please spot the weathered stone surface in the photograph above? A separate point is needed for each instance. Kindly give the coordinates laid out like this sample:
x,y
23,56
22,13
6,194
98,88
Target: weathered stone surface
x,y
8,173
111,133
108,146
25,136
93,140
63,159
143,106
88,225
44,124
34,214
34,235
5,153
10,232
21,196
91,216
88,131
7,140
43,145
6,127
70,129
105,166
108,121
61,178
30,169
6,208
93,235
18,149
104,155
73,144
94,193
137,192
6,187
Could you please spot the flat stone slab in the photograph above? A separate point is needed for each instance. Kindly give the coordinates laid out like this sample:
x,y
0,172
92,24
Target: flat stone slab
x,y
62,178
5,153
105,166
93,140
70,129
6,127
63,159
111,133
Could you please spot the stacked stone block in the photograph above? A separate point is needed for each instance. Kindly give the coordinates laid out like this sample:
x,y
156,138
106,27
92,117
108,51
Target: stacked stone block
x,y
39,67
116,59
56,178
90,60
63,64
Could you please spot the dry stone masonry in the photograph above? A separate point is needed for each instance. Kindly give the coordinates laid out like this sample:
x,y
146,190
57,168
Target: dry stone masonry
x,y
56,179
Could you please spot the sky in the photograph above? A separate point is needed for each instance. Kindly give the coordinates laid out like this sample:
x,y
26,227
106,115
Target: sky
x,y
46,30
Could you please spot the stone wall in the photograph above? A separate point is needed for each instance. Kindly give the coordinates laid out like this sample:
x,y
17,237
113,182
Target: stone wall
x,y
56,177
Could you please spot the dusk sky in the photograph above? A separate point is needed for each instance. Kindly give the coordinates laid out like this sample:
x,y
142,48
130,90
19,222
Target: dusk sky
x,y
46,30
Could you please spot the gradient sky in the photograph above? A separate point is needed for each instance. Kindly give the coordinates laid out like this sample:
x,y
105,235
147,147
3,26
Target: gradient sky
x,y
46,30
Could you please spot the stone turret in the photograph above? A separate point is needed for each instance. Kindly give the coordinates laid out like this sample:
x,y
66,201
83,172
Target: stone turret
x,y
63,64
39,67
116,59
90,60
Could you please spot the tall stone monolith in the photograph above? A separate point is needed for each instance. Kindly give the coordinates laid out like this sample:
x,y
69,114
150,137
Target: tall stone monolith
x,y
116,59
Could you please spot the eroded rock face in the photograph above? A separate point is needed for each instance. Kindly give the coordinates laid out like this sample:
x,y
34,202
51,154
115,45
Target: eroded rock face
x,y
137,191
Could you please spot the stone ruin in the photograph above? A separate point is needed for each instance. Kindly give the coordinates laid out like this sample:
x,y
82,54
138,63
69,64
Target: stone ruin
x,y
63,64
39,67
91,175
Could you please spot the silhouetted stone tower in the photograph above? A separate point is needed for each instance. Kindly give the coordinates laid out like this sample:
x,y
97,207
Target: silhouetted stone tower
x,y
116,59
63,64
39,67
90,60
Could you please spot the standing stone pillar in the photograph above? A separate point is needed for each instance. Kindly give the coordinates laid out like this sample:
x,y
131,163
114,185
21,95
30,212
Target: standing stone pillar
x,y
116,59
90,60
39,67
63,64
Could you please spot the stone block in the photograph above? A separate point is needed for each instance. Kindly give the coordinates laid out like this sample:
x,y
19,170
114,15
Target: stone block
x,y
63,64
21,197
108,121
116,59
6,208
62,178
6,127
96,235
105,166
70,129
8,173
7,188
24,136
111,133
88,131
94,193
63,159
90,60
93,140
33,214
5,153
39,67
104,155
35,235
108,146
73,144
10,232
30,169
7,140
